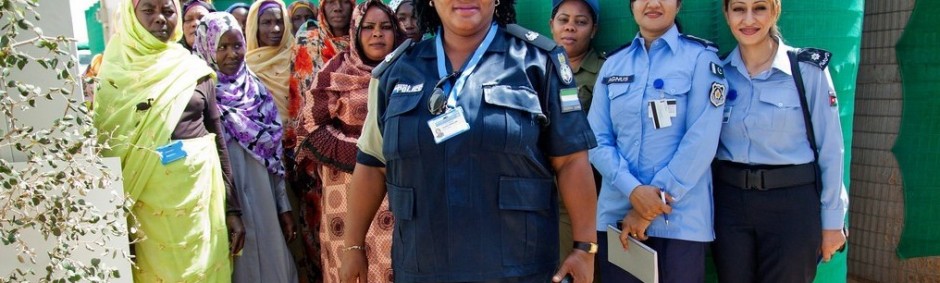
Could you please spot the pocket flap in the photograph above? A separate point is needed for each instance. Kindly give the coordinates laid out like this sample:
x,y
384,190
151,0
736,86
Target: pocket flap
x,y
401,201
400,103
780,96
677,86
519,98
525,194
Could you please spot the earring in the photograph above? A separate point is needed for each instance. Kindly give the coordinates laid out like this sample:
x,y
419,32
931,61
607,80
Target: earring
x,y
431,3
497,2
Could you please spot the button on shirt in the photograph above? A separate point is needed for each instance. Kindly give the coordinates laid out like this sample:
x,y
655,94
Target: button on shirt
x,y
765,125
631,152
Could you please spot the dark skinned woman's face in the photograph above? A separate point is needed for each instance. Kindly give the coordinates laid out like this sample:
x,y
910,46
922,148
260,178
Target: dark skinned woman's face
x,y
270,27
230,53
241,15
158,17
300,16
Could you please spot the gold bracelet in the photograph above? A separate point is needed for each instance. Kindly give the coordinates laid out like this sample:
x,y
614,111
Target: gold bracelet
x,y
356,247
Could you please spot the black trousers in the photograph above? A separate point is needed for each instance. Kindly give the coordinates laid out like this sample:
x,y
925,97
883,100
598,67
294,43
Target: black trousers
x,y
679,261
766,236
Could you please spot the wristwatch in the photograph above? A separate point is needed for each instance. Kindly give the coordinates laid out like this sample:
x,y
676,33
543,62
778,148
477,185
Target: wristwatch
x,y
588,247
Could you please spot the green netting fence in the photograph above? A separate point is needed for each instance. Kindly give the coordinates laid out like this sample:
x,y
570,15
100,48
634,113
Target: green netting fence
x,y
917,148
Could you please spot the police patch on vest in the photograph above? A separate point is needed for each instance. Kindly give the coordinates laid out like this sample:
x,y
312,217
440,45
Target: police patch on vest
x,y
569,100
618,80
565,71
717,94
400,88
717,70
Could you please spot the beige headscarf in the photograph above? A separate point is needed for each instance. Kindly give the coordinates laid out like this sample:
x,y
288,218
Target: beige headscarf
x,y
270,63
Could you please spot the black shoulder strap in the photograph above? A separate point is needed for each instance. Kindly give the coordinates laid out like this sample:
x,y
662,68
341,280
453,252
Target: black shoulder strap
x,y
801,89
532,37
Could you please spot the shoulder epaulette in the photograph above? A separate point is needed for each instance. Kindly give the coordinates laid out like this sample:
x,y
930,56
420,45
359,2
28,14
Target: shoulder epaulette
x,y
702,41
530,36
391,57
814,56
618,49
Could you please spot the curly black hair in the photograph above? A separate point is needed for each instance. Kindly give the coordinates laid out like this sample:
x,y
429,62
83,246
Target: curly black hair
x,y
429,21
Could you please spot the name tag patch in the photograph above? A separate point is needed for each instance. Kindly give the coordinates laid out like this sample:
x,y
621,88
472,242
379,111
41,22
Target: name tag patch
x,y
618,80
408,88
569,100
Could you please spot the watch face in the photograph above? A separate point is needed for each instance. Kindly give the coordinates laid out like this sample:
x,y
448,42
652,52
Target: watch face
x,y
593,249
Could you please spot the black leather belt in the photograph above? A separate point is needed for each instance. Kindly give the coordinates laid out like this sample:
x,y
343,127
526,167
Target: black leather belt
x,y
764,177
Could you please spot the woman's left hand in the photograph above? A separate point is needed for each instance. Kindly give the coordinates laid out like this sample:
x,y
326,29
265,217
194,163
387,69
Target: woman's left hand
x,y
236,234
832,241
579,264
287,226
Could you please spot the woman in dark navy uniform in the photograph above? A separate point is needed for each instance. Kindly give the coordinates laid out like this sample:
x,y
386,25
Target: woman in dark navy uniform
x,y
468,133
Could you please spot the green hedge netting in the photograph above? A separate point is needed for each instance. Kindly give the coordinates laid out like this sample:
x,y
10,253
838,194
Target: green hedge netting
x,y
918,144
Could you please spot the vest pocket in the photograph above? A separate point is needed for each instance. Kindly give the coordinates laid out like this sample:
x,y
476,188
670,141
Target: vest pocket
x,y
404,244
401,128
529,232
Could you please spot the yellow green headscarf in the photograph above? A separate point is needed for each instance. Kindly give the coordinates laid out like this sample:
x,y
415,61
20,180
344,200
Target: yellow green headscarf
x,y
139,68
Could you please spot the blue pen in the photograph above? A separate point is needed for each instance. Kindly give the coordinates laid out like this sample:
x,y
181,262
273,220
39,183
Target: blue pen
x,y
662,194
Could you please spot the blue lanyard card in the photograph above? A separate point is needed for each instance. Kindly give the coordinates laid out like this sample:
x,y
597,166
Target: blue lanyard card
x,y
171,152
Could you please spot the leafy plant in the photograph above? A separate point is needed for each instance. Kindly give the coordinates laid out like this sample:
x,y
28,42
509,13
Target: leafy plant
x,y
46,196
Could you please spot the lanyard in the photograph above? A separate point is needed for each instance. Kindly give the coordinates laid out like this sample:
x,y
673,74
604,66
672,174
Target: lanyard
x,y
467,68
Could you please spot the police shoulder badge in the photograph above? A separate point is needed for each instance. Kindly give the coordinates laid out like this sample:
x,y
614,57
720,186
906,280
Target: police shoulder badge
x,y
717,94
531,35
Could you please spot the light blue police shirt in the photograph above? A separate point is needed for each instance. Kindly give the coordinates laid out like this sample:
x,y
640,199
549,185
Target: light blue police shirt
x,y
631,151
765,124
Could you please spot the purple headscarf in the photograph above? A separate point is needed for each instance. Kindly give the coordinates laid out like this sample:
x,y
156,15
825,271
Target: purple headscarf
x,y
249,115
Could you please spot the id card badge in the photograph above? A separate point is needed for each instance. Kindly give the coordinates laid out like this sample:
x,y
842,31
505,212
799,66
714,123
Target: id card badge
x,y
171,152
448,125
672,108
659,113
726,117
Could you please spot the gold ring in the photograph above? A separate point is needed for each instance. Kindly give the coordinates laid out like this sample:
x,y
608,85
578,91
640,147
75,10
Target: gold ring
x,y
633,234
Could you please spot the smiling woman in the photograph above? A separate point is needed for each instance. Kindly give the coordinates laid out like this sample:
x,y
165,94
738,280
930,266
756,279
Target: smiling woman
x,y
269,48
467,134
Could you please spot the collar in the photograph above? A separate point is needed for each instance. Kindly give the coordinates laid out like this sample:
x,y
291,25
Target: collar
x,y
671,37
592,62
499,44
781,61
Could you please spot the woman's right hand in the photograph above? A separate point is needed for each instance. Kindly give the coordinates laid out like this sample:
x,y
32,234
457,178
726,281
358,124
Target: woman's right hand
x,y
354,267
634,226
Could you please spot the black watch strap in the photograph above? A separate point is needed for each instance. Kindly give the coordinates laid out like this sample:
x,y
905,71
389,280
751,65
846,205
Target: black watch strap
x,y
588,247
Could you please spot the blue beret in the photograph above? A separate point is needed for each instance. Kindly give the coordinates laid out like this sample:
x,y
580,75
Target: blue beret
x,y
595,7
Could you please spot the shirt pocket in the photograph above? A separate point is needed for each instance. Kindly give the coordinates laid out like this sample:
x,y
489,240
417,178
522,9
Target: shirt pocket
x,y
624,99
781,105
528,232
402,126
509,118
